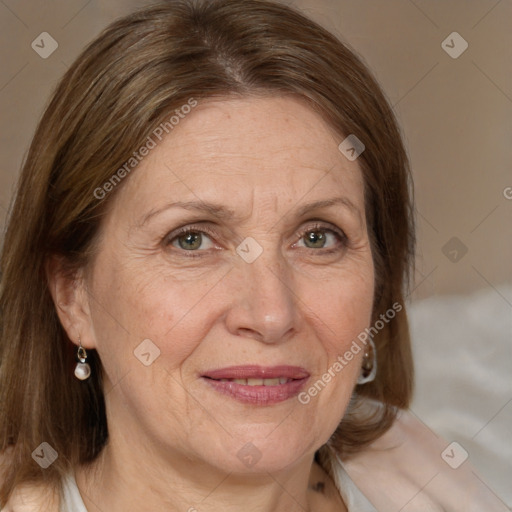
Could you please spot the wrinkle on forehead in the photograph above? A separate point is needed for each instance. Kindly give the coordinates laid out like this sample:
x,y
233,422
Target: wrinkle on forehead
x,y
258,157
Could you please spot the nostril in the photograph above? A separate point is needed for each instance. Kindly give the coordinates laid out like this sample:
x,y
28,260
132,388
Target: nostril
x,y
244,331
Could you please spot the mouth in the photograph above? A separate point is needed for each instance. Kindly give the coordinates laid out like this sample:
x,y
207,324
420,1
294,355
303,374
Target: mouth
x,y
257,385
257,382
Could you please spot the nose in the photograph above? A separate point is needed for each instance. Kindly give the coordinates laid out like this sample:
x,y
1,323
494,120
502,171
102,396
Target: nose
x,y
264,306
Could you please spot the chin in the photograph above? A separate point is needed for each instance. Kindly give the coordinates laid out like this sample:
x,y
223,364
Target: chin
x,y
254,455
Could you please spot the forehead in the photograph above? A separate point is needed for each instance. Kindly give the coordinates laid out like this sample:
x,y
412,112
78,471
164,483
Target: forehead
x,y
255,152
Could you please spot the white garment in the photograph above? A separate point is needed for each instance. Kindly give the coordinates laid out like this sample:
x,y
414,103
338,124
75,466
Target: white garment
x,y
71,498
411,469
354,499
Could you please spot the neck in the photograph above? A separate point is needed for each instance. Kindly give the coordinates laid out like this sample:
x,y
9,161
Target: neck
x,y
118,480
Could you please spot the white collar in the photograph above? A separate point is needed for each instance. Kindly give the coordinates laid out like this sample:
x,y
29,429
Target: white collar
x,y
71,499
354,499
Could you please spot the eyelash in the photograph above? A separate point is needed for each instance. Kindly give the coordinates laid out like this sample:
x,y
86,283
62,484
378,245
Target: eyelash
x,y
338,233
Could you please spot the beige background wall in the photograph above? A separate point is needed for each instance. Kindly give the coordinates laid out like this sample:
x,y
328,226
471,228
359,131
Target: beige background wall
x,y
455,113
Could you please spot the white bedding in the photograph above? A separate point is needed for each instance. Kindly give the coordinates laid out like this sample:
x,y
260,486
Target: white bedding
x,y
463,355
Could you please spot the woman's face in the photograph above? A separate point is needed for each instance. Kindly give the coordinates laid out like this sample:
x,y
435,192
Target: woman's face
x,y
274,280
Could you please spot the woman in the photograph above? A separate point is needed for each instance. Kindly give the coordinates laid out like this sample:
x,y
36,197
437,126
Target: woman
x,y
203,280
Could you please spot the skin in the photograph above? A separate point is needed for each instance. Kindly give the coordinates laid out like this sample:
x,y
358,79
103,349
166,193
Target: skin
x,y
296,304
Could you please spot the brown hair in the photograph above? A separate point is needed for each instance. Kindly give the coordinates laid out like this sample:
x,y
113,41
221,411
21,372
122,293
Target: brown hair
x,y
127,82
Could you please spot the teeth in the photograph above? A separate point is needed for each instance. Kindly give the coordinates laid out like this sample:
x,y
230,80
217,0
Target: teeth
x,y
258,382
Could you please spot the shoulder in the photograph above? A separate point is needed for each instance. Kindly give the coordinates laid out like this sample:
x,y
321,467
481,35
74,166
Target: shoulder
x,y
28,497
412,468
31,497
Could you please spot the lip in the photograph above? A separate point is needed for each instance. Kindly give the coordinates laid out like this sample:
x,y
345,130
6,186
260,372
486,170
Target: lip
x,y
257,372
259,394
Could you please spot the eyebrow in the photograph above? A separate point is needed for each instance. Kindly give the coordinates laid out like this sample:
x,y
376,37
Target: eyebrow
x,y
326,203
222,212
215,210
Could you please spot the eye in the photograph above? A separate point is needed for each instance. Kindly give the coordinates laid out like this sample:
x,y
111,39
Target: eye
x,y
321,237
190,239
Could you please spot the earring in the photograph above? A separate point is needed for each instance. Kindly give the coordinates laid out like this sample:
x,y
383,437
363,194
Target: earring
x,y
82,368
369,366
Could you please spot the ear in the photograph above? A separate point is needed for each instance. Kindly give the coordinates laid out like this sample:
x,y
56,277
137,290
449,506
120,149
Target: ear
x,y
71,299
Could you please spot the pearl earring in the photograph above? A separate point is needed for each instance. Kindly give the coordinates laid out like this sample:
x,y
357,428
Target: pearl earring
x,y
82,368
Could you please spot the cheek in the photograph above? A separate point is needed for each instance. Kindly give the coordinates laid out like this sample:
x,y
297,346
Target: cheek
x,y
342,307
132,304
338,316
